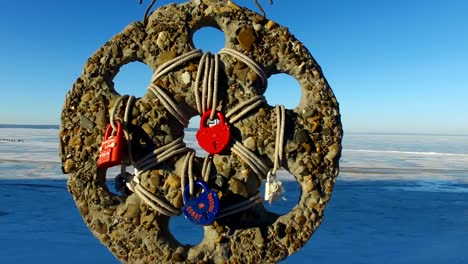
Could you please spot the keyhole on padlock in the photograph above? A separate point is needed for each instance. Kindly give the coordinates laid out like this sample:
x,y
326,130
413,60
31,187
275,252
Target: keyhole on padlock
x,y
215,145
205,214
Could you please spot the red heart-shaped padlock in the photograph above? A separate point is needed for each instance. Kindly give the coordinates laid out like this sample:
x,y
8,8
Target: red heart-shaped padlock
x,y
213,139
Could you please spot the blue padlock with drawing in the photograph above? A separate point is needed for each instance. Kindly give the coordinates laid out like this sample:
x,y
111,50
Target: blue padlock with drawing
x,y
203,208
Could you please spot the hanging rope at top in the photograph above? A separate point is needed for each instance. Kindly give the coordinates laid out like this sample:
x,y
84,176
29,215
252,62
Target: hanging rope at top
x,y
261,8
145,18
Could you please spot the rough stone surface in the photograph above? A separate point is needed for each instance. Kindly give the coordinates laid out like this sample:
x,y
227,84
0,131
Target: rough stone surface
x,y
312,138
246,38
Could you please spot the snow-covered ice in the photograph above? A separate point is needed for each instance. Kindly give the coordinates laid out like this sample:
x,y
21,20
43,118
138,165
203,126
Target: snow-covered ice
x,y
398,199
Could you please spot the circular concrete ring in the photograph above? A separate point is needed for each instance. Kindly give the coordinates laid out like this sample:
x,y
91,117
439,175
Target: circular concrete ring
x,y
131,230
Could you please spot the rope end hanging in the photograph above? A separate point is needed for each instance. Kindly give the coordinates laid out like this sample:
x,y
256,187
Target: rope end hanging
x,y
145,18
261,8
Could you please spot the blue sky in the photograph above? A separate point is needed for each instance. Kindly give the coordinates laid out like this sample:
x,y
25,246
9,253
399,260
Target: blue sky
x,y
394,66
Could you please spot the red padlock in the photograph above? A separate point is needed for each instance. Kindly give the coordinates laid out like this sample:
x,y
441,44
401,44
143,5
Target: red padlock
x,y
213,139
112,147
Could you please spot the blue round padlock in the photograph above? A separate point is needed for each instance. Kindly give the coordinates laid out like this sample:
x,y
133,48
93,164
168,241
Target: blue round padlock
x,y
203,208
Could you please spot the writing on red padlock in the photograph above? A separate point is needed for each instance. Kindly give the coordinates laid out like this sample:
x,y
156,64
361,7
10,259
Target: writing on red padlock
x,y
213,139
112,147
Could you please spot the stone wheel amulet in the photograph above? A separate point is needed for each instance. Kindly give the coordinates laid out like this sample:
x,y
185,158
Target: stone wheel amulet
x,y
133,231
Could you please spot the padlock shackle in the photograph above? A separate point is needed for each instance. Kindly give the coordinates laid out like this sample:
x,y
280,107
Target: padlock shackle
x,y
206,116
186,195
110,130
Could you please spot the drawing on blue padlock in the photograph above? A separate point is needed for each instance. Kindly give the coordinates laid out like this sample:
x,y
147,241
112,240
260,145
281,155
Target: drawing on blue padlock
x,y
202,209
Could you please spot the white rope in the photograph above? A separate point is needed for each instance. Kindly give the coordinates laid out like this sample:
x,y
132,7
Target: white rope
x,y
169,104
161,154
246,107
128,106
114,110
253,102
127,116
190,174
273,187
251,63
182,173
173,63
176,147
280,124
257,165
206,169
215,92
201,67
239,207
206,83
187,170
164,68
210,85
148,161
152,200
239,111
209,68
252,156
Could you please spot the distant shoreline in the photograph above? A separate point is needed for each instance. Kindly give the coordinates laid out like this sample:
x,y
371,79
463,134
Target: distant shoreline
x,y
54,126
195,129
29,126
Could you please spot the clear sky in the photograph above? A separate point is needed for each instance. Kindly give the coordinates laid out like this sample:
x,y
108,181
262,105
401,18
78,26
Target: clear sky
x,y
394,65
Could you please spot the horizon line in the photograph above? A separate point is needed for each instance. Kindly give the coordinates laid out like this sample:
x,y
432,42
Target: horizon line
x,y
344,132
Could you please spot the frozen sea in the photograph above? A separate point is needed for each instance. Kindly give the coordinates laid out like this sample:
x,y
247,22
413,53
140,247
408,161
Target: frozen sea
x,y
398,199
